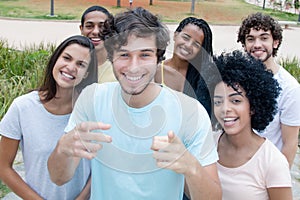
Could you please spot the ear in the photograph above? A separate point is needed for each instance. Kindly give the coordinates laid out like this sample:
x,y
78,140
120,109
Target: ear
x,y
275,44
244,47
175,35
80,27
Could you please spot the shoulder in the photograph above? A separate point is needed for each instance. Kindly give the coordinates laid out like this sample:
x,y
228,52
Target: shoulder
x,y
272,153
285,78
29,98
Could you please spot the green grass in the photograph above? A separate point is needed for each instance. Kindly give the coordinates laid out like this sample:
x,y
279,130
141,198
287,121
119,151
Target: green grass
x,y
224,12
3,189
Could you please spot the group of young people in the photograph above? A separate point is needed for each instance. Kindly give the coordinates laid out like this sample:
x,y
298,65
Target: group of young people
x,y
194,126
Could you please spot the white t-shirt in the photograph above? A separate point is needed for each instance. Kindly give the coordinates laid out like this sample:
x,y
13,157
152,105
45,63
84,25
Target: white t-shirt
x,y
288,107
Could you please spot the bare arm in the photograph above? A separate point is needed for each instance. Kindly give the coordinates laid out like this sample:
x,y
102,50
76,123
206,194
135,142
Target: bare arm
x,y
74,145
86,192
8,151
201,182
280,193
290,142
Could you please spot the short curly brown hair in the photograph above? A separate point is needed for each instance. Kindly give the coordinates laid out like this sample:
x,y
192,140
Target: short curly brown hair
x,y
260,21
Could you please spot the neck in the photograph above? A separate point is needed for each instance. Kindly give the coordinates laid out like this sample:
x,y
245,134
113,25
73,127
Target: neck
x,y
272,65
178,64
241,140
62,103
101,56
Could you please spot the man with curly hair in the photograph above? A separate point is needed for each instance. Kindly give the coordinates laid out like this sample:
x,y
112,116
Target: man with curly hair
x,y
261,37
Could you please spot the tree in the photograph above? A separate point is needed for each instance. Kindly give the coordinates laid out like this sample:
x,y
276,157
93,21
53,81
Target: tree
x,y
118,3
193,7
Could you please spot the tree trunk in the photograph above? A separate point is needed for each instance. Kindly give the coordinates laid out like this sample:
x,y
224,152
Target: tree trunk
x,y
151,2
118,3
193,7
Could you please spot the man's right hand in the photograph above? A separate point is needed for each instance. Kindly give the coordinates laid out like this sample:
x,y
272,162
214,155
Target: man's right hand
x,y
82,141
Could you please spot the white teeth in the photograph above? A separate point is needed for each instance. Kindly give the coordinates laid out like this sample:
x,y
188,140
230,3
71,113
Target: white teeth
x,y
67,75
133,78
229,119
184,51
96,39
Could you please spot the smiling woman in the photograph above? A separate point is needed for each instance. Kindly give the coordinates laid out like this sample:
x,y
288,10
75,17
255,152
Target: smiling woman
x,y
239,109
36,121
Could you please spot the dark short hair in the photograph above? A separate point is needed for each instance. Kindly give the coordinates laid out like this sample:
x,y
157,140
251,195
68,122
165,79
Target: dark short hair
x,y
259,21
49,84
139,22
262,90
95,8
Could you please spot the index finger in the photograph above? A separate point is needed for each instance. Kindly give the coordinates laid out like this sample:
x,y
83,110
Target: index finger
x,y
90,126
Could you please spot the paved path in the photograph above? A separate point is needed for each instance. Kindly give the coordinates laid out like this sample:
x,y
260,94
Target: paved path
x,y
20,33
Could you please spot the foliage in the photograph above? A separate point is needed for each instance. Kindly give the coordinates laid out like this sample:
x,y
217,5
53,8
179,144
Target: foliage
x,y
292,65
20,71
225,11
3,189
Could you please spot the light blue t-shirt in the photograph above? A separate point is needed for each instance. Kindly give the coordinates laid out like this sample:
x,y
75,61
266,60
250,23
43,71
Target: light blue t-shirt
x,y
125,168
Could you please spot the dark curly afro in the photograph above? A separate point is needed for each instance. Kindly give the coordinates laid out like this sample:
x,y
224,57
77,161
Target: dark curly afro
x,y
260,21
262,90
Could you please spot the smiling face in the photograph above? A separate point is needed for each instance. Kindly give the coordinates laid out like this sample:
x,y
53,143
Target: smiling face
x,y
135,64
260,44
71,66
92,26
232,109
187,43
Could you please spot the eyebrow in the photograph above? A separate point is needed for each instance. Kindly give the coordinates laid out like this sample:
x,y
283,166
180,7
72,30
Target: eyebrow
x,y
142,50
230,95
263,34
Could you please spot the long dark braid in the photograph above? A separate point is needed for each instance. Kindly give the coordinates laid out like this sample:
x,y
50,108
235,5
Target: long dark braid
x,y
195,84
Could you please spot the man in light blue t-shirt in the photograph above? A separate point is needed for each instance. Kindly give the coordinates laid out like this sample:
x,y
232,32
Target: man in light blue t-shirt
x,y
145,140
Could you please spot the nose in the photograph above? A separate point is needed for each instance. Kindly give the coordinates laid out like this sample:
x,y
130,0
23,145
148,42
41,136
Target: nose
x,y
257,43
189,43
72,67
133,65
96,30
226,107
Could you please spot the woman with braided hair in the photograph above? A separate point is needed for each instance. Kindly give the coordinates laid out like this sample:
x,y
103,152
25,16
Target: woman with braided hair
x,y
192,52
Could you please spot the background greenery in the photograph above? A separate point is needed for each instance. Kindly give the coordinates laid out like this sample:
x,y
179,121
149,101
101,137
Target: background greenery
x,y
213,11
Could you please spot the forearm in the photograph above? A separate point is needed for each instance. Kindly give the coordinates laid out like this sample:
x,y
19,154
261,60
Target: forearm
x,y
13,180
290,142
61,166
201,185
290,150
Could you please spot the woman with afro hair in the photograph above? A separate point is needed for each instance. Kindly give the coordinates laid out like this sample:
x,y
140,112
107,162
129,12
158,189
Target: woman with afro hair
x,y
244,98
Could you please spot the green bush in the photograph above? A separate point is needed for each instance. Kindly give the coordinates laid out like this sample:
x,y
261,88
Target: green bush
x,y
292,65
20,71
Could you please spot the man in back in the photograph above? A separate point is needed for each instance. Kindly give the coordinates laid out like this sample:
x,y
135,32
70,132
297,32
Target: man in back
x,y
261,37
